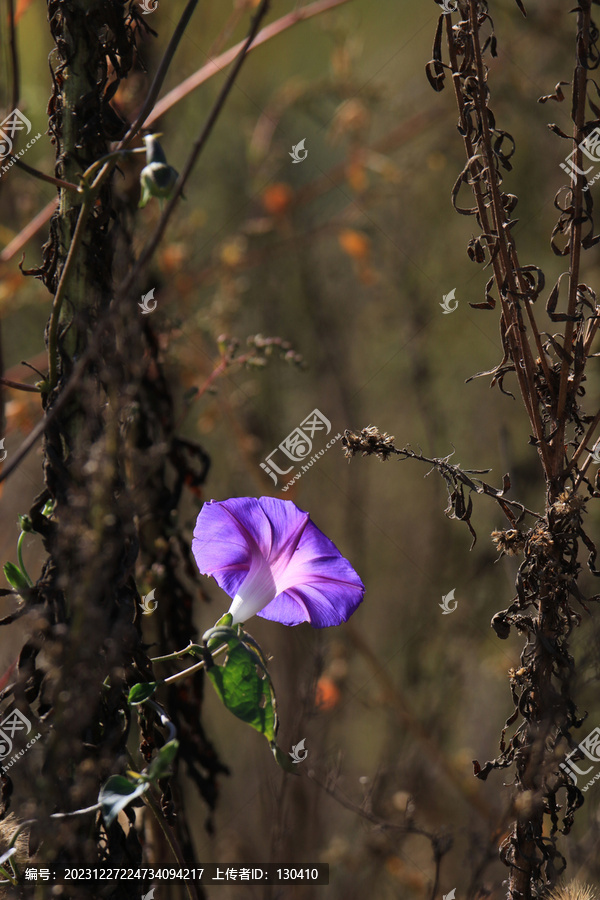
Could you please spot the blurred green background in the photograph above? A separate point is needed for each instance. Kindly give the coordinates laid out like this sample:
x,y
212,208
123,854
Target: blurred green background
x,y
347,256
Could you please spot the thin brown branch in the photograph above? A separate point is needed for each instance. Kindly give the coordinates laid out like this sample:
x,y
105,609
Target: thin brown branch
x,y
15,87
516,332
70,263
186,87
94,342
161,73
41,176
592,330
579,95
398,702
486,226
19,386
29,231
199,145
15,83
68,390
214,67
438,847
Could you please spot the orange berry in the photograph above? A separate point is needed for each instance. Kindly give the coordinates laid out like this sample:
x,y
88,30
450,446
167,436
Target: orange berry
x,y
277,198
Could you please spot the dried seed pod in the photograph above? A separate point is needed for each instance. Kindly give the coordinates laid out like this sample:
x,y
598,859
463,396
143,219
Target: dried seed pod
x,y
501,625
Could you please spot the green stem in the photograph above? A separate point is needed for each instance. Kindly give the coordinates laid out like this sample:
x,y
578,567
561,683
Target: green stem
x,y
91,170
192,669
20,558
89,196
16,870
177,655
84,212
183,674
8,875
170,838
76,812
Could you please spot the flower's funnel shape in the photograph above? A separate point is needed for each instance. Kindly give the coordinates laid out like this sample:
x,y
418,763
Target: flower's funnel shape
x,y
274,562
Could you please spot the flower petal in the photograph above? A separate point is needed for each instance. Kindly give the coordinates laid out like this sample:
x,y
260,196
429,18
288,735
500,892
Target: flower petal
x,y
315,556
287,523
275,562
228,535
322,604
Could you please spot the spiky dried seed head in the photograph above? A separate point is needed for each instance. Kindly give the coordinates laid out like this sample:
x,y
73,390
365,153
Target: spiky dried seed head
x,y
569,504
8,827
510,542
575,890
369,441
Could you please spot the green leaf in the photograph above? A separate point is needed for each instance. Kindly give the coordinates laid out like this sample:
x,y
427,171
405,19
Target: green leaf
x,y
15,577
160,765
244,685
168,752
246,693
283,759
139,693
254,648
115,794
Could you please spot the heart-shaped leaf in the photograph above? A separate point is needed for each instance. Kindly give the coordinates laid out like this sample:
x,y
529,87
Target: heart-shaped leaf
x,y
245,688
115,794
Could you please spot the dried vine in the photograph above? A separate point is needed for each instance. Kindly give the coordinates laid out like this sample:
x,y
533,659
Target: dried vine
x,y
102,478
550,372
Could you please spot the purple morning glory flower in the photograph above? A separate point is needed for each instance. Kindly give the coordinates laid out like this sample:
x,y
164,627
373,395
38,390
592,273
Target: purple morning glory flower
x,y
274,562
